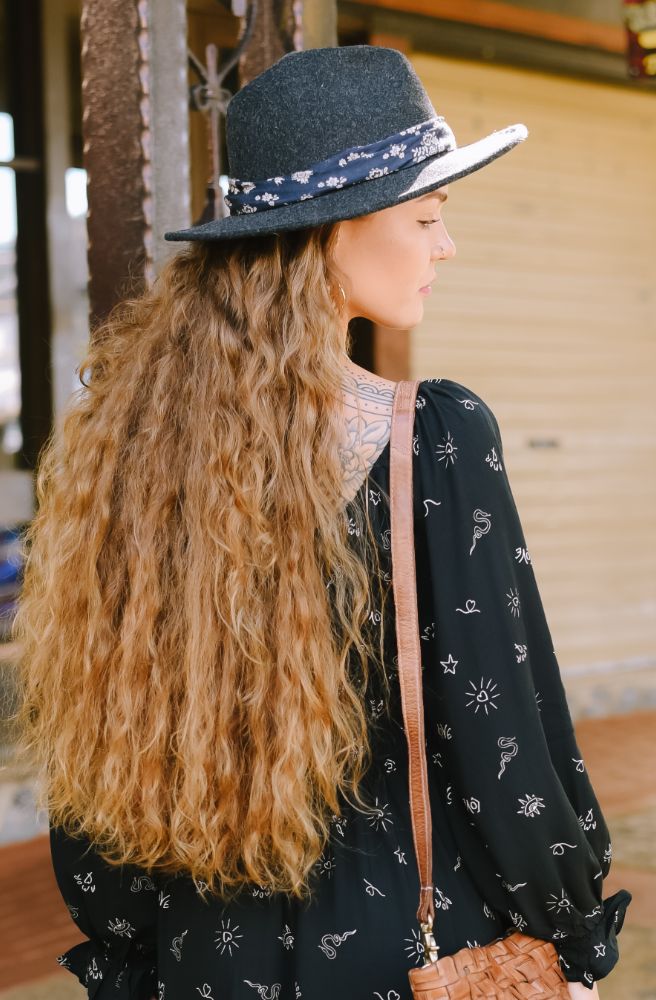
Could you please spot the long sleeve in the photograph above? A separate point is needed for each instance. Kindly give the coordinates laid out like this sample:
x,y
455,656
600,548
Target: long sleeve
x,y
519,797
116,908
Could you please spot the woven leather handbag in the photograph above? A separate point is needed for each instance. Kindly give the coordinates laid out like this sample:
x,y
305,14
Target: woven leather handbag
x,y
517,965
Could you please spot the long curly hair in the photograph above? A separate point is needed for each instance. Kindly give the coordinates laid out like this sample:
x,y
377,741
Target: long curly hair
x,y
192,623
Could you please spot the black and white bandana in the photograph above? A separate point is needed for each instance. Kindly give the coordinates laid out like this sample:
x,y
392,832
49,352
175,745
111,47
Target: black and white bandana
x,y
343,169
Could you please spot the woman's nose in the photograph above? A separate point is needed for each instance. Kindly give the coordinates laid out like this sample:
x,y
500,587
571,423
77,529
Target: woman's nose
x,y
445,246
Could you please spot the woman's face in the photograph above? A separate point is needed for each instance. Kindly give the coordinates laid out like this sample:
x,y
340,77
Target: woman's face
x,y
387,256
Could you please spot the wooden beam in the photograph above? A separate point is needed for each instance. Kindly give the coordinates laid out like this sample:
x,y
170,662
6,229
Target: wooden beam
x,y
502,16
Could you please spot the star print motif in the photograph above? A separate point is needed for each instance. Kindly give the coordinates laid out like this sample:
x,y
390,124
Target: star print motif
x,y
449,665
600,950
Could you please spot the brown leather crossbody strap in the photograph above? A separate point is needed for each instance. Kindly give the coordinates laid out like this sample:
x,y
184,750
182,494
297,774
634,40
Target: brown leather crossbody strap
x,y
404,586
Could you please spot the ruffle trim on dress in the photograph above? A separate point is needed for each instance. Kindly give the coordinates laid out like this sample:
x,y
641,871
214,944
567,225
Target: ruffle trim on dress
x,y
127,971
592,956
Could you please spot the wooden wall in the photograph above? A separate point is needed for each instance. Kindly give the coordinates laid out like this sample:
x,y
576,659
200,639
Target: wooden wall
x,y
548,311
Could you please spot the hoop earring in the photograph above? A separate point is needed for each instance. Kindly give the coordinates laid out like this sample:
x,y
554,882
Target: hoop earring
x,y
343,295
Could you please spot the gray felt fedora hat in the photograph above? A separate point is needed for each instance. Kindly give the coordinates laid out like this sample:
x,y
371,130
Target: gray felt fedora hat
x,y
332,133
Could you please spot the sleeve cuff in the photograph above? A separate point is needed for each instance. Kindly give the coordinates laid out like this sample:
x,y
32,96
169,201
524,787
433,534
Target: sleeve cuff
x,y
128,972
592,956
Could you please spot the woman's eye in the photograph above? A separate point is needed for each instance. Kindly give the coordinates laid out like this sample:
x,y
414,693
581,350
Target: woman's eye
x,y
431,223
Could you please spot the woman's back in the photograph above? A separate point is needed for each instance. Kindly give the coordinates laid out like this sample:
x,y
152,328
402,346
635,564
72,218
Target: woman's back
x,y
519,839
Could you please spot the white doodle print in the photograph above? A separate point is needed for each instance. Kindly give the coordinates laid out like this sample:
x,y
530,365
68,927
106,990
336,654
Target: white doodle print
x,y
493,460
266,992
389,764
589,823
437,759
140,882
538,700
518,920
469,608
563,962
513,888
427,633
472,805
557,935
588,977
508,747
375,617
163,900
93,972
375,708
487,911
391,995
531,805
63,960
370,888
443,730
86,884
554,903
287,937
352,528
436,503
176,946
559,848
449,665
600,950
449,795
521,655
472,944
608,853
513,601
205,991
457,864
522,555
328,941
447,452
340,823
442,902
580,766
482,696
227,938
400,855
595,912
121,927
73,910
483,525
374,497
161,989
298,990
469,404
261,891
381,816
415,947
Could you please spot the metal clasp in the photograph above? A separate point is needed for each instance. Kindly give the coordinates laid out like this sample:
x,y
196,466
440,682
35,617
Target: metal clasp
x,y
430,945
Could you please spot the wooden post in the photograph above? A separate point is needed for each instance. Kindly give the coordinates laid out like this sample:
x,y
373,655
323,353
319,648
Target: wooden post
x,y
135,130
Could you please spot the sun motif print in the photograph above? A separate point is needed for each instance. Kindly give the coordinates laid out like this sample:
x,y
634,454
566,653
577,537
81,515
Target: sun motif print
x,y
483,695
227,937
531,805
520,842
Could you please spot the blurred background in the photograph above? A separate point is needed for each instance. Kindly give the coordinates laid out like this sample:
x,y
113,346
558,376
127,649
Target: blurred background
x,y
112,131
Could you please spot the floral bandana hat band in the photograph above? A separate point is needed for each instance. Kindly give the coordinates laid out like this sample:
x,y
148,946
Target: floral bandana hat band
x,y
350,166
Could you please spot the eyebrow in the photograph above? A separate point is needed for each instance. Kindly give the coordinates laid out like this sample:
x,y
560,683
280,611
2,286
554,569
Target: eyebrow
x,y
435,194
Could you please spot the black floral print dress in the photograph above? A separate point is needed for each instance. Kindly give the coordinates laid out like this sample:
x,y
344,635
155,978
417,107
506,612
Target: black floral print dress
x,y
519,838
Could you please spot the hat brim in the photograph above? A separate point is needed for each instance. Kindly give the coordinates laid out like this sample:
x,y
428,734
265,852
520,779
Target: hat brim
x,y
365,197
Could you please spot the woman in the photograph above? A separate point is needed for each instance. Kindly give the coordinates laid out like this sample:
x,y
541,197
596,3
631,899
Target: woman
x,y
209,652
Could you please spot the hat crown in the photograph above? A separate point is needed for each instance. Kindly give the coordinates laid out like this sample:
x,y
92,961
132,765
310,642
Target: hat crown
x,y
313,103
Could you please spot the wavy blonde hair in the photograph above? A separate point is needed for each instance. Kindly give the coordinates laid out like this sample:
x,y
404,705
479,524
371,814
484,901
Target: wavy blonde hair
x,y
192,621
